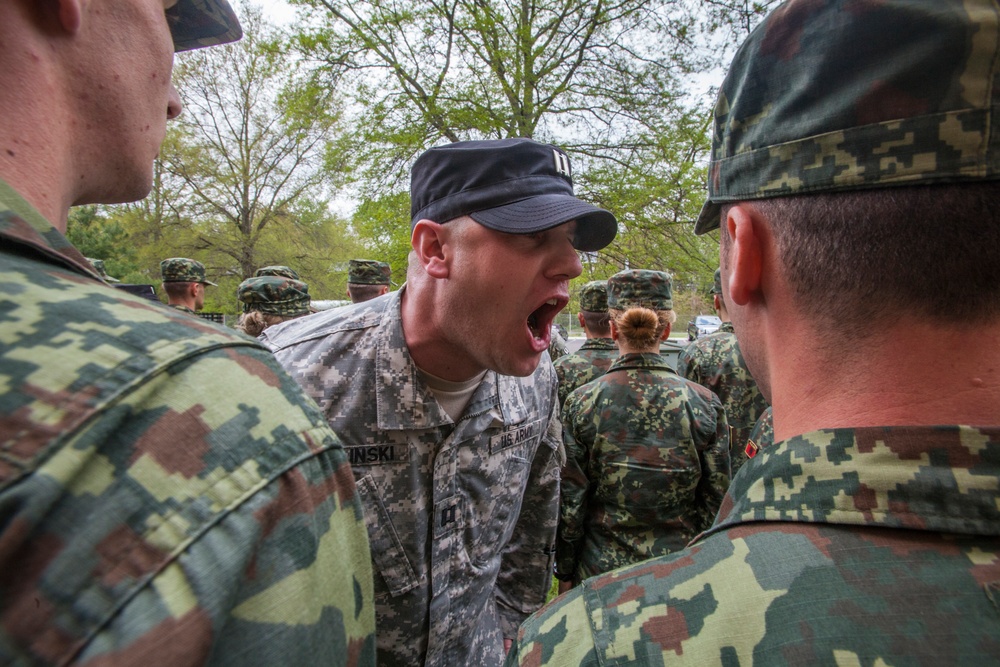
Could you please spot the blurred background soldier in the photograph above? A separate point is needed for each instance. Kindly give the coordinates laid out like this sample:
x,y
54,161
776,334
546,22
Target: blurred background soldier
x,y
762,434
367,279
98,265
277,270
596,354
647,451
269,300
184,282
715,361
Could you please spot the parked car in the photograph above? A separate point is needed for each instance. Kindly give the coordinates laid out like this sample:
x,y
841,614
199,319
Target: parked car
x,y
702,325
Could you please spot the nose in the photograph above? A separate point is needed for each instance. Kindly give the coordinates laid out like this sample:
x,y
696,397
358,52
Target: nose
x,y
566,263
174,105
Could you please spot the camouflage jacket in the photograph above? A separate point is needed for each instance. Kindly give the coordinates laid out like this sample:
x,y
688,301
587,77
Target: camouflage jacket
x,y
167,494
647,465
870,546
762,434
461,517
715,361
181,307
592,360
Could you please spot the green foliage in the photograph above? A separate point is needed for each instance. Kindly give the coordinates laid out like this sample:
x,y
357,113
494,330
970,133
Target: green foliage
x,y
101,237
384,224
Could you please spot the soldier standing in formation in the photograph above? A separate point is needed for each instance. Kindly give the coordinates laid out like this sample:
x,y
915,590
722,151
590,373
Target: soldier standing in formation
x,y
269,300
715,361
647,451
854,180
367,279
450,419
596,354
184,282
169,497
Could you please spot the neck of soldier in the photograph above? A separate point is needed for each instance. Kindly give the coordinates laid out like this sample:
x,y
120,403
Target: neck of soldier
x,y
909,373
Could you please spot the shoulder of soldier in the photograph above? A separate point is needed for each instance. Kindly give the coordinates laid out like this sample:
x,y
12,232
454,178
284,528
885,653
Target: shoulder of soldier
x,y
325,323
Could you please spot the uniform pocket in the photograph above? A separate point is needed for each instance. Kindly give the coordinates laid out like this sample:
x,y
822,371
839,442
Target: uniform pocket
x,y
387,551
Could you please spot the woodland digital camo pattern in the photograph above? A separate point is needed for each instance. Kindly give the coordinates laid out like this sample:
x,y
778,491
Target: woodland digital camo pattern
x,y
368,272
842,95
874,546
591,361
183,270
594,296
195,24
277,270
167,494
98,265
557,342
639,288
461,517
647,465
715,361
274,295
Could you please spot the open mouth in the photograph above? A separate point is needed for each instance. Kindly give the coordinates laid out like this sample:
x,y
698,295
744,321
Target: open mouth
x,y
540,321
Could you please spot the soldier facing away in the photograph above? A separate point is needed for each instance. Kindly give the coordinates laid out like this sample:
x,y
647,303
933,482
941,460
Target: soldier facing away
x,y
450,419
270,299
184,282
647,452
596,354
367,279
854,182
168,496
715,361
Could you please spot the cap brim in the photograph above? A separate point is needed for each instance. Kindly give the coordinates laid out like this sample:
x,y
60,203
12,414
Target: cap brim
x,y
196,24
595,227
708,219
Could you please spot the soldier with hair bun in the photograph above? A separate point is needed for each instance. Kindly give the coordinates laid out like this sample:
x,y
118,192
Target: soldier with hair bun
x,y
647,451
270,299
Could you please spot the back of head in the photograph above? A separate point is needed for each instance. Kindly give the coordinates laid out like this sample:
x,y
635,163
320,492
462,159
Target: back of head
x,y
594,307
864,134
368,272
640,304
274,295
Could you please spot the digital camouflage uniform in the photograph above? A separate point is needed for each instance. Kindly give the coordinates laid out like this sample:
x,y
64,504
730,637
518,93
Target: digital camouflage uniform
x,y
183,270
274,295
869,546
591,361
167,494
368,272
596,354
557,344
762,434
647,454
866,546
715,361
461,517
277,270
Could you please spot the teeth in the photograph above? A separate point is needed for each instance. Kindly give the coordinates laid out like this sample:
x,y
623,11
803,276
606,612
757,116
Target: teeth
x,y
551,302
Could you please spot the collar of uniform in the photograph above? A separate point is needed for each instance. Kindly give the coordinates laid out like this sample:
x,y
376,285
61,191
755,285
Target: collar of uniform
x,y
599,344
646,360
20,223
727,327
403,400
938,478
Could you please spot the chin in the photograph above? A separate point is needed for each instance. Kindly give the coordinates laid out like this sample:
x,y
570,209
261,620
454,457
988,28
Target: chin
x,y
518,367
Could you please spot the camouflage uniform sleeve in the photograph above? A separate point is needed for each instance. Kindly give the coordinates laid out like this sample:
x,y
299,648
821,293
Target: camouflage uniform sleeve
x,y
687,364
711,432
561,372
526,568
573,498
562,629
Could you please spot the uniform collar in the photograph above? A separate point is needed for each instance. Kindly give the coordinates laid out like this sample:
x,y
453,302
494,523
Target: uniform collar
x,y
647,360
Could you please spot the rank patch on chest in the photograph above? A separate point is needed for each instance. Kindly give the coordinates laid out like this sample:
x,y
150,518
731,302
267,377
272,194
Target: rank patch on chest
x,y
367,455
514,436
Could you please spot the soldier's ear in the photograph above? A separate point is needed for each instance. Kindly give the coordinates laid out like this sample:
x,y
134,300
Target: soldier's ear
x,y
744,253
428,241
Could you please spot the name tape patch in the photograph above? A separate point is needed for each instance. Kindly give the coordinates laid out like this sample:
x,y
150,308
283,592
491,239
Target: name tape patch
x,y
516,435
366,455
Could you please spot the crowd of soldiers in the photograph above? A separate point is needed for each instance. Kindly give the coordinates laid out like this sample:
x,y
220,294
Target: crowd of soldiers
x,y
394,482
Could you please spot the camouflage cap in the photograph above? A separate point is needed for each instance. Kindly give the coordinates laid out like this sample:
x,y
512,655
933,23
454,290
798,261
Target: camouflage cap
x,y
639,288
98,265
195,24
277,270
840,95
594,296
274,295
368,272
717,283
183,270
